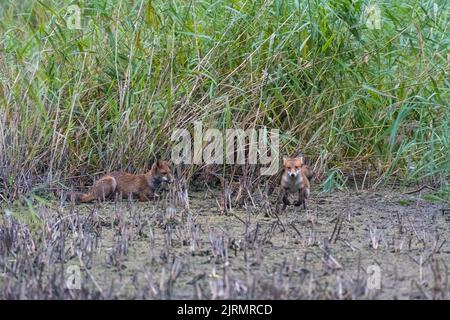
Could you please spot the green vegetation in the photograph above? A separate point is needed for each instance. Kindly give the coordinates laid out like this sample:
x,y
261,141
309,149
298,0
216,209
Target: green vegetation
x,y
108,96
440,196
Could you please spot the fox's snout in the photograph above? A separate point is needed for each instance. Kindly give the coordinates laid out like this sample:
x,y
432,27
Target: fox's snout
x,y
162,171
167,179
293,173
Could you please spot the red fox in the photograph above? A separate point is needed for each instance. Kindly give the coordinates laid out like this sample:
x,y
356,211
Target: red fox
x,y
144,185
295,178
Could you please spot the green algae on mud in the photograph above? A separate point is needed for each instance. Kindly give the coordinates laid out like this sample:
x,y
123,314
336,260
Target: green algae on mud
x,y
158,251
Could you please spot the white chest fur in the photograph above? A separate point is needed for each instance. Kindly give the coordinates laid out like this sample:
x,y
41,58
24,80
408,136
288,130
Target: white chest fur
x,y
292,184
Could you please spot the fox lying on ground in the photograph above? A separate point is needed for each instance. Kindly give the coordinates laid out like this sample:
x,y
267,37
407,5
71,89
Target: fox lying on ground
x,y
144,185
295,178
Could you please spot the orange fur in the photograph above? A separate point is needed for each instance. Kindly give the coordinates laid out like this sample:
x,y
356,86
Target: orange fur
x,y
127,184
295,179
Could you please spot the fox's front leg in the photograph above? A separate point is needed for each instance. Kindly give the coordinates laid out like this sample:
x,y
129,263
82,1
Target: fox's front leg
x,y
148,196
302,195
283,198
300,200
145,197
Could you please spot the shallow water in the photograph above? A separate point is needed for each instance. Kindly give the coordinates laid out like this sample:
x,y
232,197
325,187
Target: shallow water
x,y
159,251
294,257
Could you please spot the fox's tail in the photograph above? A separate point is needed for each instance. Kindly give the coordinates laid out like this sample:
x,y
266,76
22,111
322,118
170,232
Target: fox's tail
x,y
102,189
309,173
77,197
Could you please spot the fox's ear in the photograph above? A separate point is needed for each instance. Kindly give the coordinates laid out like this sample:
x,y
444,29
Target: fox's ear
x,y
285,160
156,164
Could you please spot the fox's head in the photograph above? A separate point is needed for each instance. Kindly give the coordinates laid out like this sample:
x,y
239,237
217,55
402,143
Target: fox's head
x,y
293,166
161,171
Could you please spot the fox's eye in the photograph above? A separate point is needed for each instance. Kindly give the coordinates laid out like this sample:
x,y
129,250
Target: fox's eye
x,y
297,168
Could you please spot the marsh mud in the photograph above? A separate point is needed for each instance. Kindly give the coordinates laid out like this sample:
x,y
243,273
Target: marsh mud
x,y
381,244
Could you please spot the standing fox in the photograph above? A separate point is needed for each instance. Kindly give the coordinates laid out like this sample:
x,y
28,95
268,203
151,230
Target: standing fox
x,y
144,185
295,178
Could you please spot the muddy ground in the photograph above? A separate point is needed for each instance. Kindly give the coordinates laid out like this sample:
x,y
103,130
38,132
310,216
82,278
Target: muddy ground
x,y
381,244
